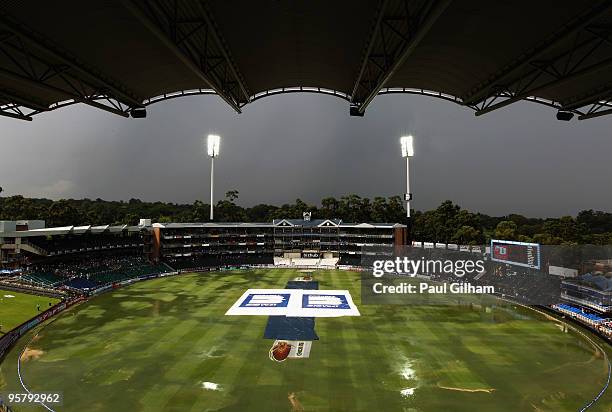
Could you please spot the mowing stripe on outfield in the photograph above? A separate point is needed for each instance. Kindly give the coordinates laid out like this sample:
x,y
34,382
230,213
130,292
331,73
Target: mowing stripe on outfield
x,y
151,345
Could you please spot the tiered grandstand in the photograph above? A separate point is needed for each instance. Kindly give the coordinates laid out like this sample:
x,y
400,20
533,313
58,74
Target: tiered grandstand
x,y
591,319
201,245
121,237
88,271
91,257
24,240
88,259
41,278
285,242
588,290
332,238
75,257
111,271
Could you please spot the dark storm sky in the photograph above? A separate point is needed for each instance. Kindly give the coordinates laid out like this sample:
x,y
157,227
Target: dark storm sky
x,y
519,159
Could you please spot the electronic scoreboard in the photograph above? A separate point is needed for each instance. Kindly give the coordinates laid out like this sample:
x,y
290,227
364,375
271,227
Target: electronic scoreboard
x,y
516,253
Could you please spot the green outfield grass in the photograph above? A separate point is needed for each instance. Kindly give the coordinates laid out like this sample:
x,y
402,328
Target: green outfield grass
x,y
151,347
16,308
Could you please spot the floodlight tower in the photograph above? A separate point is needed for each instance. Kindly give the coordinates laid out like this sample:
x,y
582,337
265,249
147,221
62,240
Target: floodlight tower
x,y
213,151
407,151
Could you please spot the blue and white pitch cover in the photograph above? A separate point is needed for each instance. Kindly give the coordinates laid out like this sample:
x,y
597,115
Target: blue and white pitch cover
x,y
265,302
294,303
324,303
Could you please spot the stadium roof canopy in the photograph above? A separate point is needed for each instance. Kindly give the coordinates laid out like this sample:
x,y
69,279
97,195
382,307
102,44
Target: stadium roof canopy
x,y
71,230
598,282
122,55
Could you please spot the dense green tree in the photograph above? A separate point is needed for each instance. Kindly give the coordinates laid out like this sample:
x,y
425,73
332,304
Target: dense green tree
x,y
598,239
565,228
506,229
380,209
228,211
201,211
329,208
595,221
447,223
231,195
396,212
546,239
260,213
62,213
467,235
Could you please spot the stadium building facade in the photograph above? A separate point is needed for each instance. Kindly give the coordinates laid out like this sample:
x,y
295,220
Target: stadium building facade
x,y
24,241
302,241
194,245
191,245
590,291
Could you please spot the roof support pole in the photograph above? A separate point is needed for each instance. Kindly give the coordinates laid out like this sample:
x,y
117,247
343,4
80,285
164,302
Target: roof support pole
x,y
112,87
595,114
23,101
43,86
555,83
400,41
15,115
591,97
511,71
226,55
183,52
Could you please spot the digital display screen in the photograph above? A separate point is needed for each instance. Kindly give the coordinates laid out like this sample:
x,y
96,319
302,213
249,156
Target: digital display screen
x,y
516,253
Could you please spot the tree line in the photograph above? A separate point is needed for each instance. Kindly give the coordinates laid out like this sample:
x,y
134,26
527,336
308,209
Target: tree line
x,y
448,223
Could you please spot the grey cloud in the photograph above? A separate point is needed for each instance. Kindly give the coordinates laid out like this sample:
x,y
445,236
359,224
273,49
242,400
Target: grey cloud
x,y
518,159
